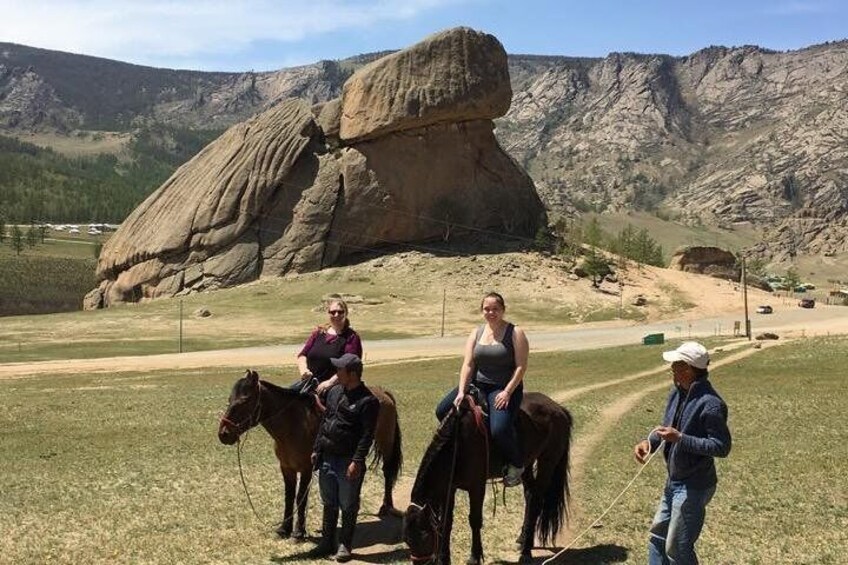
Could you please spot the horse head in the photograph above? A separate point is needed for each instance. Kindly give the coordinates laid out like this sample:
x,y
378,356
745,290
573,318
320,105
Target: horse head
x,y
243,409
421,533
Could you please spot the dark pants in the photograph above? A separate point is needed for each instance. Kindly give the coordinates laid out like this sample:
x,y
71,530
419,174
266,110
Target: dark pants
x,y
337,491
501,422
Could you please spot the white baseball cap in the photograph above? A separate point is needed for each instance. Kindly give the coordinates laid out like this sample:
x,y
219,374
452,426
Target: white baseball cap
x,y
690,352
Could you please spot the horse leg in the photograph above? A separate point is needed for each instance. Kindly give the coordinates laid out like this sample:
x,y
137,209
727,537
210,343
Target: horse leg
x,y
289,487
532,509
475,521
302,501
522,535
444,548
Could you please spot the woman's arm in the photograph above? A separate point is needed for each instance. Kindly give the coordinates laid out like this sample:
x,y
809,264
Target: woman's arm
x,y
522,350
465,373
302,367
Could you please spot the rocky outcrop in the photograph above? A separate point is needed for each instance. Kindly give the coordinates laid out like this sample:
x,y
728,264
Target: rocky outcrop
x,y
712,261
388,95
288,191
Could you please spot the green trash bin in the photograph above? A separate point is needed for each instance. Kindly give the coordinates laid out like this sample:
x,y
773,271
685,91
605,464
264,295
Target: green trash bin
x,y
653,339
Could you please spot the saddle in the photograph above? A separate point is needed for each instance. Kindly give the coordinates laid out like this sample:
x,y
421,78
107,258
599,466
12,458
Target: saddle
x,y
309,388
480,399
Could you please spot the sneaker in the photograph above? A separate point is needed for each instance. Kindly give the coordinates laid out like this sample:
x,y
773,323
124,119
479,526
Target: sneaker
x,y
512,477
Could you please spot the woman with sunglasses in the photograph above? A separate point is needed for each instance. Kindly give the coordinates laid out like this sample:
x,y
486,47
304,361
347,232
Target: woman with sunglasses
x,y
329,341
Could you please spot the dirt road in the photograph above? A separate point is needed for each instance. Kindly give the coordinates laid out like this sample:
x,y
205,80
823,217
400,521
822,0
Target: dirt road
x,y
790,322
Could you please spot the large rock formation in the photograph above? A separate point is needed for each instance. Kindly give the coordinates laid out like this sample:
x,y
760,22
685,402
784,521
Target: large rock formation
x,y
712,261
407,152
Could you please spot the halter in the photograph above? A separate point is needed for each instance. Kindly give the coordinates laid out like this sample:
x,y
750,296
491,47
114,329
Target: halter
x,y
252,419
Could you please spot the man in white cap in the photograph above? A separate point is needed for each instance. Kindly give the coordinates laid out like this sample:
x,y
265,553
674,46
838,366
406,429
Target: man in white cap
x,y
695,431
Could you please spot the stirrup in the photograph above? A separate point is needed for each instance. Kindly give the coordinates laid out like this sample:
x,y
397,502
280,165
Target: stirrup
x,y
512,477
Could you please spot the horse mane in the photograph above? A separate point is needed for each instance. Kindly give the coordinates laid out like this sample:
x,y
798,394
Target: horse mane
x,y
442,439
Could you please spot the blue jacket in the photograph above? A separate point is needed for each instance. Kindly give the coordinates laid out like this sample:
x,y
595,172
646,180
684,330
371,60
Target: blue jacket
x,y
703,425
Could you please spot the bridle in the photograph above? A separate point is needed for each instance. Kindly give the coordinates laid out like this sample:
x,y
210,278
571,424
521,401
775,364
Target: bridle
x,y
252,419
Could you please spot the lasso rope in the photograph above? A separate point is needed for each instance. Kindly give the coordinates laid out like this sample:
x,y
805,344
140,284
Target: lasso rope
x,y
605,512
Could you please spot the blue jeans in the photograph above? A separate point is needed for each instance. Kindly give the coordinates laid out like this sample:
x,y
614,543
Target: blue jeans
x,y
501,422
677,525
337,491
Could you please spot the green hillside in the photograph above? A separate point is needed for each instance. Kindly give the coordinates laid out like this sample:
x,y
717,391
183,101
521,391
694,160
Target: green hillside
x,y
39,184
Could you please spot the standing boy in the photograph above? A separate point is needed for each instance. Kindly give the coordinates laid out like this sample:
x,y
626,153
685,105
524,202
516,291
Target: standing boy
x,y
343,442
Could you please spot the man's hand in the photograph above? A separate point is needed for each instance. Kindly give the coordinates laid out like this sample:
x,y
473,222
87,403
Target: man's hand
x,y
306,375
322,387
669,434
641,451
354,470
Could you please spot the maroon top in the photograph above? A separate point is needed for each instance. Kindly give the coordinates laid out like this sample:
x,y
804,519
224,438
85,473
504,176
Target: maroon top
x,y
322,346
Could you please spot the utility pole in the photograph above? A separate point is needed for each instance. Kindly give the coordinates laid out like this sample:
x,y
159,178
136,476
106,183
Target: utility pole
x,y
181,325
745,298
444,298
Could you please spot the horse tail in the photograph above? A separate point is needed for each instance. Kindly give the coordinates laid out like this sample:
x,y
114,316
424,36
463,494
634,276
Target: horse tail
x,y
390,456
394,460
555,498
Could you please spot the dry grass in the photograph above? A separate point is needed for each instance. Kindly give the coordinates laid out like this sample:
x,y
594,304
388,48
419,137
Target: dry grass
x,y
105,469
394,296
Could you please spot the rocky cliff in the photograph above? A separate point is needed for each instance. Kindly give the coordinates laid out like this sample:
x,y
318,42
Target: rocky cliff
x,y
406,151
721,136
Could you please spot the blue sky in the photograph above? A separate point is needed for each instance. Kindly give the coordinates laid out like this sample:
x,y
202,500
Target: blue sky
x,y
240,35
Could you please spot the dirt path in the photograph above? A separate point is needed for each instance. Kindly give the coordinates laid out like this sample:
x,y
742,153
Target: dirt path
x,y
613,412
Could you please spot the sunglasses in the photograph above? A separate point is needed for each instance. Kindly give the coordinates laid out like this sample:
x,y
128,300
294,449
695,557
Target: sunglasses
x,y
336,312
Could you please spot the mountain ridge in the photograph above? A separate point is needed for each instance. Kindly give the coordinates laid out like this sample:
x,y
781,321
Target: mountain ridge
x,y
720,136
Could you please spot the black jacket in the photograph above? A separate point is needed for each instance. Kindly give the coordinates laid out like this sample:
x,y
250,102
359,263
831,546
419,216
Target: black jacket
x,y
347,428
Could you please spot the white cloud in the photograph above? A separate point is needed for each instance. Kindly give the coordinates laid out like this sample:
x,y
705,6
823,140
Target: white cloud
x,y
149,30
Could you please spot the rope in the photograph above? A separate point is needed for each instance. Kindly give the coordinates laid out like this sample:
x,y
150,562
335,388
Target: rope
x,y
244,483
604,513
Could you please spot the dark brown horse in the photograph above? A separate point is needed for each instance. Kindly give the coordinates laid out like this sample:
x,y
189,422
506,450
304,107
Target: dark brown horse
x,y
292,421
458,458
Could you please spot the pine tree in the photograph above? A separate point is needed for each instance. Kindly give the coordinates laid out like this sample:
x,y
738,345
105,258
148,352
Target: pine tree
x,y
17,241
31,236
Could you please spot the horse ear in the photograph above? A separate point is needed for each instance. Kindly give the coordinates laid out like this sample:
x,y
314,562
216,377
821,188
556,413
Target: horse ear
x,y
251,375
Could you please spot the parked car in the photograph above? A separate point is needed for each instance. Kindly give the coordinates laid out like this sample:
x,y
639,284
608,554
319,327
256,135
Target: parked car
x,y
764,309
807,303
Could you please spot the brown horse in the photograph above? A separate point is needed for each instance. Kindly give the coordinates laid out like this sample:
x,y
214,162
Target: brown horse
x,y
458,458
292,419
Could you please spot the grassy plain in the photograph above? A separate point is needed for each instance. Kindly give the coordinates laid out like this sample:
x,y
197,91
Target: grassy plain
x,y
106,469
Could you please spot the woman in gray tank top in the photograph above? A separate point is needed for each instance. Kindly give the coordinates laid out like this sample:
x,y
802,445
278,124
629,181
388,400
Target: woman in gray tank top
x,y
495,362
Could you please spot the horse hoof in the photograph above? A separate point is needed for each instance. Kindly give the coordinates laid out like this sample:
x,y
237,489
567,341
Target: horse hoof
x,y
525,559
299,535
385,510
473,561
519,541
284,533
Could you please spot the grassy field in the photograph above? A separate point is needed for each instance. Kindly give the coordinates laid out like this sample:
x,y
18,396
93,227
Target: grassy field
x,y
106,469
